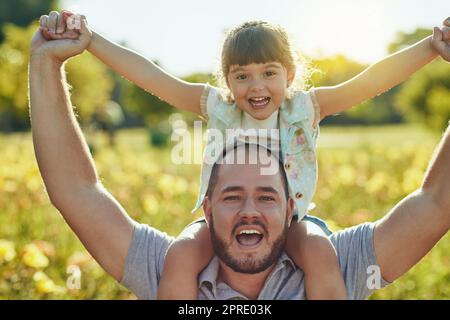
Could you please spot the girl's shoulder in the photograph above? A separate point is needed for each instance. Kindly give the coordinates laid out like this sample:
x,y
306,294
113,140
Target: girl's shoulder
x,y
302,105
214,100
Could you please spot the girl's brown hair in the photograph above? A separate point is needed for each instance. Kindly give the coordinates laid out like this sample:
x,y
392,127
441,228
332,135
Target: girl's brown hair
x,y
261,42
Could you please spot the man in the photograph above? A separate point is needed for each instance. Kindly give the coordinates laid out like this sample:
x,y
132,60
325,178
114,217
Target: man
x,y
134,254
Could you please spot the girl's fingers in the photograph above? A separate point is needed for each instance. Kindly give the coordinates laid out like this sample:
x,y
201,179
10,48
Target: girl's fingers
x,y
83,26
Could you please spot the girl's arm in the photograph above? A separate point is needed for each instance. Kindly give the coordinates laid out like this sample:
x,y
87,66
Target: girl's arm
x,y
131,65
147,75
380,76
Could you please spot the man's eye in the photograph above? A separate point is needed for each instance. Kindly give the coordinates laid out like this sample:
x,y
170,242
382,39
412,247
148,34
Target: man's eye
x,y
231,198
267,198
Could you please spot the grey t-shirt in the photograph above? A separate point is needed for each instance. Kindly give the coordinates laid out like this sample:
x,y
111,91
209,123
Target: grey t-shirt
x,y
354,247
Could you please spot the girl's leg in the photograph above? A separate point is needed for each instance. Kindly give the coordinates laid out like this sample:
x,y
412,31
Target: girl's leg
x,y
186,257
314,253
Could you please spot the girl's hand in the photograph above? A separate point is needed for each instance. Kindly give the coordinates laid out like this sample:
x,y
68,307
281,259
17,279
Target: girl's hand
x,y
441,40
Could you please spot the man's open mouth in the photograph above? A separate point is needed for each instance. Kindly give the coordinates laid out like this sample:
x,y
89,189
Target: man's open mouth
x,y
249,237
259,102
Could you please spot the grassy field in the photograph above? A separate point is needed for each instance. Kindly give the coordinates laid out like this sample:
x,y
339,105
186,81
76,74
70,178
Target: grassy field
x,y
363,172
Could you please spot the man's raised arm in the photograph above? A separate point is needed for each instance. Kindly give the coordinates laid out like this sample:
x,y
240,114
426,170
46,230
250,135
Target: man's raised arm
x,y
417,223
65,163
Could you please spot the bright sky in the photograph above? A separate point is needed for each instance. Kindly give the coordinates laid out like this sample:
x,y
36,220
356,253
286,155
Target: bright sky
x,y
185,36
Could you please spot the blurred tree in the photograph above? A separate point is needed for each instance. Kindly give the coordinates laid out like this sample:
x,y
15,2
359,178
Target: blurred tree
x,y
13,80
91,84
23,12
142,103
153,110
425,97
156,111
338,69
89,78
201,78
334,70
108,118
404,39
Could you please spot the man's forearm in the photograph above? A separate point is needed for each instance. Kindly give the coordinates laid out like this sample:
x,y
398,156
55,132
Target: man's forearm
x,y
437,178
61,151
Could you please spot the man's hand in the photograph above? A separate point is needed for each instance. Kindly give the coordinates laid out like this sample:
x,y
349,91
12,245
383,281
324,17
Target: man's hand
x,y
441,40
58,42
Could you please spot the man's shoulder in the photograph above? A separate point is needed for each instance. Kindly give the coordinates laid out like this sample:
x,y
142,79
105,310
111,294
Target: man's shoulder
x,y
145,260
145,234
363,230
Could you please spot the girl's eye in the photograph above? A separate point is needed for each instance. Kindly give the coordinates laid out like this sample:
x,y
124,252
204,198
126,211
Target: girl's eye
x,y
241,77
270,73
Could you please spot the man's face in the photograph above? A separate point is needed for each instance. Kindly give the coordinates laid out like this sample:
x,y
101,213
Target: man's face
x,y
248,216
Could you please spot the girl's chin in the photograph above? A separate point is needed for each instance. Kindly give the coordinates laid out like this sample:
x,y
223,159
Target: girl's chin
x,y
260,114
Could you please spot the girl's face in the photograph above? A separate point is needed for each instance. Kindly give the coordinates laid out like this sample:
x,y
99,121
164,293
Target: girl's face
x,y
259,89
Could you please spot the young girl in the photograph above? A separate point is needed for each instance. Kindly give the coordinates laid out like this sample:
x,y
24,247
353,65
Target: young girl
x,y
259,69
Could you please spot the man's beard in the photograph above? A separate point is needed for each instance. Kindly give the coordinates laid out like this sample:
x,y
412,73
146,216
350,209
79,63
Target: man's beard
x,y
248,265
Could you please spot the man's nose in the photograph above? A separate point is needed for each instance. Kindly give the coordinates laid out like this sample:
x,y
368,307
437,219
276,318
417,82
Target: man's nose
x,y
249,209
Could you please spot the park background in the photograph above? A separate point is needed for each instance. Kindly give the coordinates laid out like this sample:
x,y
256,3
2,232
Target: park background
x,y
370,157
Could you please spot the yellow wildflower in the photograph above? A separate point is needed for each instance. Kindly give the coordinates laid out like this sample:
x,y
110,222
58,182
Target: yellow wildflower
x,y
44,284
7,251
33,256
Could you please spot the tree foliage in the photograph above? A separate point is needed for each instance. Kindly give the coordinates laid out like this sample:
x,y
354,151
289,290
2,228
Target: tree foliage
x,y
89,78
91,84
404,39
23,12
338,69
425,97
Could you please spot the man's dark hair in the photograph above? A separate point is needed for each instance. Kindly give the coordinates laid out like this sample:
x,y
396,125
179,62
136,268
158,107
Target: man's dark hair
x,y
215,170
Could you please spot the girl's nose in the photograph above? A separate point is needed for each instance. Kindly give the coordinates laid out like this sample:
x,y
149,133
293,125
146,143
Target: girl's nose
x,y
257,85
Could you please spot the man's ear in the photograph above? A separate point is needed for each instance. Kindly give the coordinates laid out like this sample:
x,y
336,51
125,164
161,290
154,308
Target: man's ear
x,y
207,210
290,210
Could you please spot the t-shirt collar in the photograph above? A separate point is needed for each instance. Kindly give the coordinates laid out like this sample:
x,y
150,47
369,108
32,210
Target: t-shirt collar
x,y
209,276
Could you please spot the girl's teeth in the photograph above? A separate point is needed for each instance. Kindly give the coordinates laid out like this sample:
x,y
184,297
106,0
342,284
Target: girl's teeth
x,y
259,101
